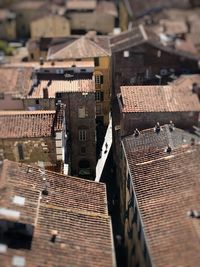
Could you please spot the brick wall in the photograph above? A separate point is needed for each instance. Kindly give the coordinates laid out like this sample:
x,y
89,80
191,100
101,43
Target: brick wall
x,y
146,61
130,121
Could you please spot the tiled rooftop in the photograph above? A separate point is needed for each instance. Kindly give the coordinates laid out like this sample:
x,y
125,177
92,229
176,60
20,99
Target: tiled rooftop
x,y
167,98
100,40
80,5
15,80
143,34
106,7
74,209
27,5
138,8
167,187
80,48
151,139
63,86
56,64
25,124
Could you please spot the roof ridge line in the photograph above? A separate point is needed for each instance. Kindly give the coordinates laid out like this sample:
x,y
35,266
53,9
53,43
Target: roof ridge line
x,y
88,213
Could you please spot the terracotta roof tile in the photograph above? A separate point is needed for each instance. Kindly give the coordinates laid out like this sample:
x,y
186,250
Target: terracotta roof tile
x,y
28,5
15,80
81,5
166,98
25,124
106,7
139,8
63,86
167,187
74,209
80,48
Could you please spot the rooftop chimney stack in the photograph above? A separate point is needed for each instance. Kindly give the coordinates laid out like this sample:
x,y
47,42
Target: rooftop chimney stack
x,y
54,234
157,127
45,93
136,132
41,61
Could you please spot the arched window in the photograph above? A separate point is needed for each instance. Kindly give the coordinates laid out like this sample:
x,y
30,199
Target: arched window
x,y
84,164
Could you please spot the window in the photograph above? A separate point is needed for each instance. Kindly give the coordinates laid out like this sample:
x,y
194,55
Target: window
x,y
82,135
96,61
37,101
1,95
98,110
158,53
126,53
58,95
99,79
83,150
20,151
82,112
99,96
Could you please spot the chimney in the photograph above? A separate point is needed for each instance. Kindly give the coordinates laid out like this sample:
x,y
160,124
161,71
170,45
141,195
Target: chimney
x,y
168,149
45,93
171,126
195,88
157,127
136,132
41,61
54,234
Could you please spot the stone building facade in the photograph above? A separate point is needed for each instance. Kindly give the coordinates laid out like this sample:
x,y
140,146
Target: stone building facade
x,y
139,58
81,131
34,136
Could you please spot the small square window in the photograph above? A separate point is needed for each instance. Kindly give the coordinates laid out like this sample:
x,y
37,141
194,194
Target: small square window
x,y
82,112
126,53
37,102
83,150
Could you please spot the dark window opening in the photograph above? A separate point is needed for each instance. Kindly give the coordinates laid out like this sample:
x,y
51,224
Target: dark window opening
x,y
20,151
16,235
37,101
58,95
96,61
84,164
83,149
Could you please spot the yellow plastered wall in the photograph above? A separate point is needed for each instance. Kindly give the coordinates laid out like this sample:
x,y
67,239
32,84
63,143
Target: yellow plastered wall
x,y
104,69
123,17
